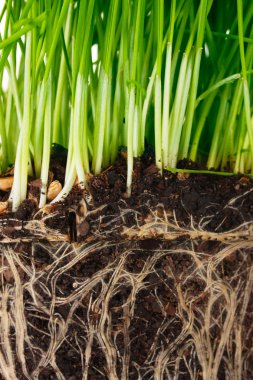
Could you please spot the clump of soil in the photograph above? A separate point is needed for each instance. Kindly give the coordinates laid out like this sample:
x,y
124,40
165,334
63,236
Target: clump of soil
x,y
158,285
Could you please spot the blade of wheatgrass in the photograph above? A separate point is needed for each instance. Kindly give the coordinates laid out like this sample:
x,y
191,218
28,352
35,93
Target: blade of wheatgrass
x,y
35,38
107,134
39,119
167,86
92,92
46,143
130,111
186,133
171,108
65,118
14,84
181,18
78,129
17,35
80,117
65,48
62,79
116,98
2,14
246,93
158,121
232,36
14,87
15,190
117,113
85,68
242,146
205,110
175,129
21,162
47,117
70,157
146,69
56,22
15,92
11,133
130,127
56,35
7,19
78,114
136,129
148,93
192,171
212,161
78,126
245,155
32,21
229,53
166,104
40,53
6,108
86,139
100,120
26,8
40,92
215,87
78,40
247,108
140,83
4,145
103,87
159,15
126,66
228,148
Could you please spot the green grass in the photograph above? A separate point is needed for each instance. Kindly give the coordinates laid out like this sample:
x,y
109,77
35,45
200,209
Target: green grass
x,y
174,74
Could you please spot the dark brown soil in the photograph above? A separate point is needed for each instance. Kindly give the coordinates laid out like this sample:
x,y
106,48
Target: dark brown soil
x,y
155,286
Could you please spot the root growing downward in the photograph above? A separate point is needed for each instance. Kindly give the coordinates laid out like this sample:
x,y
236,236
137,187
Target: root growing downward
x,y
172,311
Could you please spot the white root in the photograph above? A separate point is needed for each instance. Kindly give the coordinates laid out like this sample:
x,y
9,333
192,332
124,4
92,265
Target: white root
x,y
212,319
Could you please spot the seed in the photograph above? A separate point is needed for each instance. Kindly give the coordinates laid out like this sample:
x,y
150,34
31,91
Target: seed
x,y
244,180
182,176
6,183
3,207
53,190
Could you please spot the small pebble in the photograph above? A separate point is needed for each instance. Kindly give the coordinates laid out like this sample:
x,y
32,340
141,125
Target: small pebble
x,y
183,176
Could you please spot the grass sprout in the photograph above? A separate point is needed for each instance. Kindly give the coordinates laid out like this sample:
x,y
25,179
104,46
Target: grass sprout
x,y
176,75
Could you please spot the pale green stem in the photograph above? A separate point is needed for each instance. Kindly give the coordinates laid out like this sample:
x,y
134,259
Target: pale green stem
x,y
166,105
62,79
81,88
158,122
22,158
46,143
100,122
217,137
130,122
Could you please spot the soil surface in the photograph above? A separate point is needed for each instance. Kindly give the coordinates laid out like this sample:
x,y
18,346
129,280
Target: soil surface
x,y
155,286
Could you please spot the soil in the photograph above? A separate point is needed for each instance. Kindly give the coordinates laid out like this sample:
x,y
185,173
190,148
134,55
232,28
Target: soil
x,y
155,286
